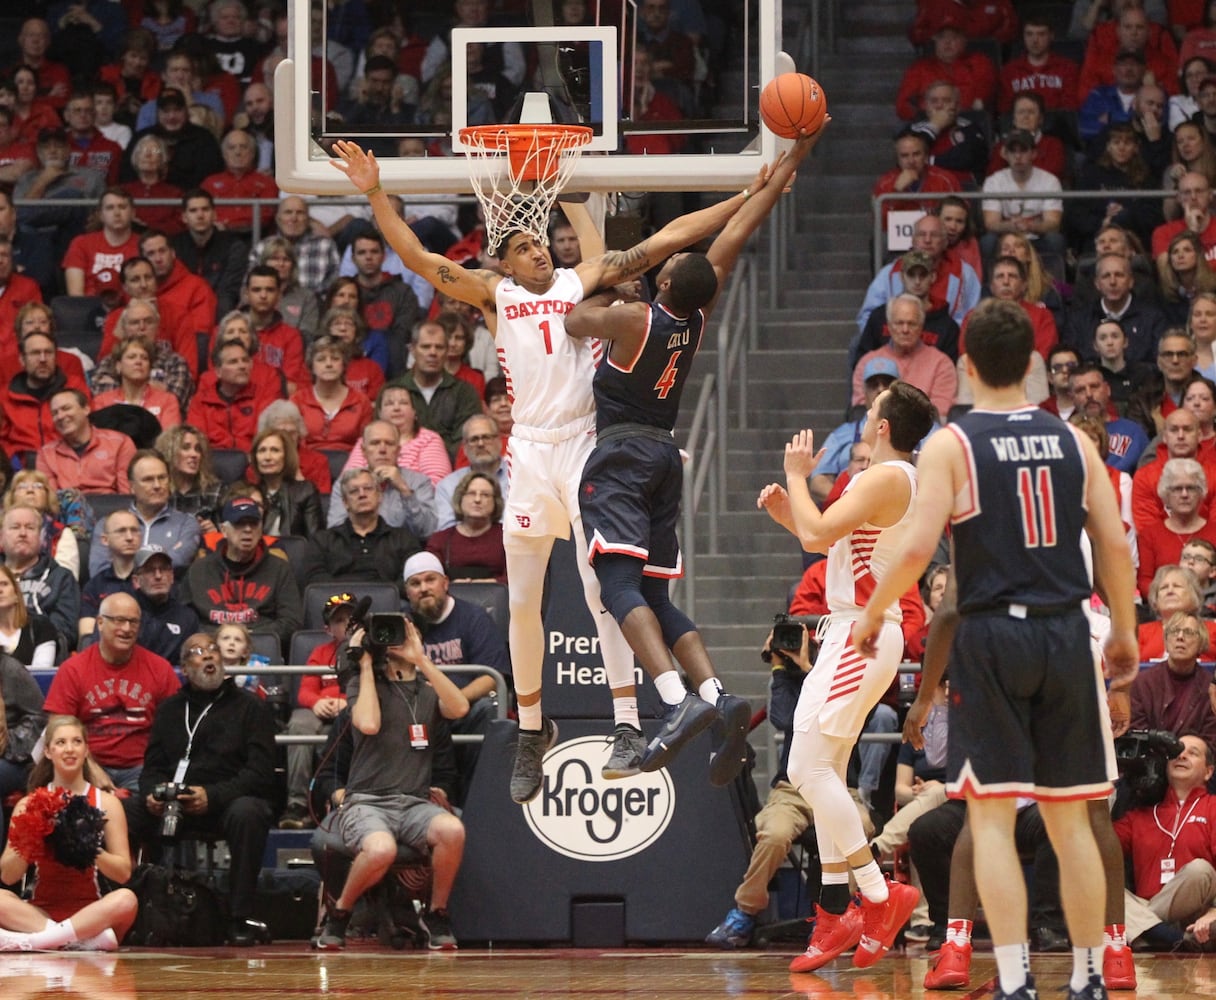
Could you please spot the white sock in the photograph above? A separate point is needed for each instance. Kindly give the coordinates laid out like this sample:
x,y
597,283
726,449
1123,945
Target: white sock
x,y
530,717
1086,962
670,687
107,940
958,931
625,712
710,690
53,935
872,882
1013,965
1115,935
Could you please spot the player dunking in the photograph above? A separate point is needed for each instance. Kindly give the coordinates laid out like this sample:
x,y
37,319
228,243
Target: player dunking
x,y
859,533
630,494
550,378
1019,486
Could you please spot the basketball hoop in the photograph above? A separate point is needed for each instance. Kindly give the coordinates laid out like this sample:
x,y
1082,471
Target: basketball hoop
x,y
505,158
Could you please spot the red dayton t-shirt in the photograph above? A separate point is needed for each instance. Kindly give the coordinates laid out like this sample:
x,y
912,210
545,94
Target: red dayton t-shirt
x,y
100,260
115,703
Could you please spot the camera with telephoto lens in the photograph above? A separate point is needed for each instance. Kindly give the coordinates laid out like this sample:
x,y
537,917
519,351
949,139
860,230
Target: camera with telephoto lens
x,y
1143,756
167,792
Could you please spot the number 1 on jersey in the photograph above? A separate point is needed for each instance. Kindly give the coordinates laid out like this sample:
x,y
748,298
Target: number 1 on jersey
x,y
544,328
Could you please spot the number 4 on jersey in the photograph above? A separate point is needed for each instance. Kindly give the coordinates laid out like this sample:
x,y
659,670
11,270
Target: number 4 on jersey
x,y
667,381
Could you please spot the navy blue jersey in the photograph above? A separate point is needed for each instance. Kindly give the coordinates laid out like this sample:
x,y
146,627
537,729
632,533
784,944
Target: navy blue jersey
x,y
1017,526
647,389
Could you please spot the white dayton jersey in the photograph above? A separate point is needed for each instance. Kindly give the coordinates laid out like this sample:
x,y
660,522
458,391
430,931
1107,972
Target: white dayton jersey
x,y
548,373
858,561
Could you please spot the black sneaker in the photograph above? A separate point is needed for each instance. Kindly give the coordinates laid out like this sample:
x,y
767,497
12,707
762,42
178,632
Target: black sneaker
x,y
295,817
1095,989
1025,992
530,749
729,752
332,936
439,936
681,723
628,745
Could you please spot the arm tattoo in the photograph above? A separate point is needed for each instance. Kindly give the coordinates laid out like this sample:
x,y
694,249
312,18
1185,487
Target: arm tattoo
x,y
446,275
627,263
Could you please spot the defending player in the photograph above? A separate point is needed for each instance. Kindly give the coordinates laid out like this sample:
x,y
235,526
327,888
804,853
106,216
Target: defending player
x,y
632,482
859,532
1018,487
549,375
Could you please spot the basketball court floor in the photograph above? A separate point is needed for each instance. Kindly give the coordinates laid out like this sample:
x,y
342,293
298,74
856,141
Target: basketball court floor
x,y
370,972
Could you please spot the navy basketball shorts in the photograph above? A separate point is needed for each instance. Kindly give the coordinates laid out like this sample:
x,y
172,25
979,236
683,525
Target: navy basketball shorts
x,y
1024,720
630,499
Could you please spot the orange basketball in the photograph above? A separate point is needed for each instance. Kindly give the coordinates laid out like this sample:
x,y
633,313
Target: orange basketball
x,y
791,103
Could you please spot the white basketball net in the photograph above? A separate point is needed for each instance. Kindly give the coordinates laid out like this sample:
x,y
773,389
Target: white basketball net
x,y
517,173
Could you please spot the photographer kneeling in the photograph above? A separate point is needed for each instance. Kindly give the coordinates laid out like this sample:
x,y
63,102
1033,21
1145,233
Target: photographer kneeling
x,y
1173,857
396,697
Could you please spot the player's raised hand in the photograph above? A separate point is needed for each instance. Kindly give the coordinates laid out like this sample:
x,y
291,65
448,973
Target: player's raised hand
x,y
774,499
360,167
800,456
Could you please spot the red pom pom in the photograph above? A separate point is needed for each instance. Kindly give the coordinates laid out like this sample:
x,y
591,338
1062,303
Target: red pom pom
x,y
29,829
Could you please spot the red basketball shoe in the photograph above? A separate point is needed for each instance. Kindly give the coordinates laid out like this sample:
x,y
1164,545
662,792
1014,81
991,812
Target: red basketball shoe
x,y
834,934
883,921
952,969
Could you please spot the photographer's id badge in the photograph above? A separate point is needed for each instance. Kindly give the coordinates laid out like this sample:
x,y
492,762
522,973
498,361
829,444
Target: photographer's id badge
x,y
1167,870
418,737
179,776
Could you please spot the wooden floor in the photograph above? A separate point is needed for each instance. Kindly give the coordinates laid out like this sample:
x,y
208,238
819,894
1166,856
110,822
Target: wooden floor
x,y
369,973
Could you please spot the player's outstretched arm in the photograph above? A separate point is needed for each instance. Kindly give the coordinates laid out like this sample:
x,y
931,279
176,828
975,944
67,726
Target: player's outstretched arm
x,y
472,287
616,266
725,250
590,240
941,460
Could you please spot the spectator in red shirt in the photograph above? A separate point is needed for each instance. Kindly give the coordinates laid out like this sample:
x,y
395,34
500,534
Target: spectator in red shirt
x,y
1029,114
25,399
87,146
995,19
188,298
1130,33
1040,71
282,346
84,457
17,155
971,72
54,80
150,161
241,180
33,115
15,291
93,263
913,174
334,413
228,401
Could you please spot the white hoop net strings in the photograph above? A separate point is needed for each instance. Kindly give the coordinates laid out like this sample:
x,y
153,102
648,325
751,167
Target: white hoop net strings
x,y
509,202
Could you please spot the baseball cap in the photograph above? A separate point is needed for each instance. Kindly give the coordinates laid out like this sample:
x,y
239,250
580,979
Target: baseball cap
x,y
876,367
422,562
52,135
1019,138
1124,54
335,604
147,552
915,258
171,97
241,509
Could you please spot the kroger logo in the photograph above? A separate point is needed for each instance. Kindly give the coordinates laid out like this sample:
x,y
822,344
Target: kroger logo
x,y
582,816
